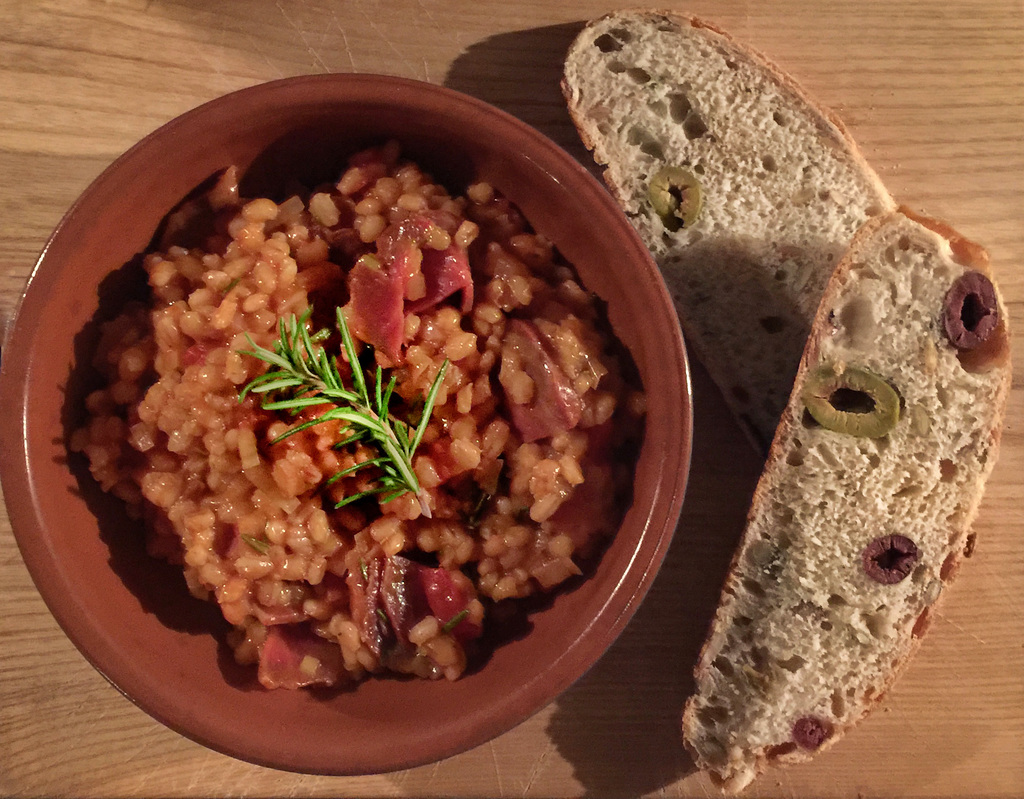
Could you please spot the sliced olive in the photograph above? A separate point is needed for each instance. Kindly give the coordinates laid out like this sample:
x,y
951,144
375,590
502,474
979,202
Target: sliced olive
x,y
810,732
971,311
852,401
890,558
676,197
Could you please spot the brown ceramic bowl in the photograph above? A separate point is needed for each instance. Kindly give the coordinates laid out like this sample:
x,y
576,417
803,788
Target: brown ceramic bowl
x,y
130,615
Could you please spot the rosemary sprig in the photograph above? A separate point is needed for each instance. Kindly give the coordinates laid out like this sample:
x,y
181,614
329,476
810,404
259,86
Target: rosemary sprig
x,y
305,377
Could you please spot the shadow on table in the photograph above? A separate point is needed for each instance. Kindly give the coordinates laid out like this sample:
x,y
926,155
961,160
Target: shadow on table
x,y
520,73
619,725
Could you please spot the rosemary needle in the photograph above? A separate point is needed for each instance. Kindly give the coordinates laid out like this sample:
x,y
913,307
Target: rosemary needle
x,y
261,546
306,377
455,620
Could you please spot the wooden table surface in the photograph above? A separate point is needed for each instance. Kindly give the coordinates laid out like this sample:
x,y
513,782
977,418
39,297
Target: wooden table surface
x,y
934,94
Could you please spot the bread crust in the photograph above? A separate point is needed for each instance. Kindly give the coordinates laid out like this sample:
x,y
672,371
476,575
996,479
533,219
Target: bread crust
x,y
831,125
970,255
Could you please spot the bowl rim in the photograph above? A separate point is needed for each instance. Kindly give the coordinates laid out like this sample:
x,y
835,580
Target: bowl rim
x,y
19,488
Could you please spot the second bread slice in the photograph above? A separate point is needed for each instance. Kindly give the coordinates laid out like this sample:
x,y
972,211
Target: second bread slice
x,y
863,512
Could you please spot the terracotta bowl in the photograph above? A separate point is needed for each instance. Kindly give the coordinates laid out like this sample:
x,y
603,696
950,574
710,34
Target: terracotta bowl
x,y
130,615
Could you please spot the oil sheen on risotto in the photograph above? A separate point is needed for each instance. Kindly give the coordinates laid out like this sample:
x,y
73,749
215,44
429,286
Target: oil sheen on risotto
x,y
524,466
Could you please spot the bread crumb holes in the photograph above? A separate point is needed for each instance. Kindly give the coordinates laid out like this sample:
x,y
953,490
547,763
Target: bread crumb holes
x,y
679,106
793,664
694,127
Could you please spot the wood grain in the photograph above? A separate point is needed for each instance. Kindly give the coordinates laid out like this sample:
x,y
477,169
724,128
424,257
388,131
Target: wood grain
x,y
934,94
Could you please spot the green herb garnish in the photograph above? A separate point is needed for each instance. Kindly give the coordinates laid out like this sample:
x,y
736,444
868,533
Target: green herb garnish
x,y
455,620
261,546
305,377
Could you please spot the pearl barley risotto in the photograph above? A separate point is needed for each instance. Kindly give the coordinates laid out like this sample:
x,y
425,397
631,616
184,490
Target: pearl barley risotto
x,y
364,420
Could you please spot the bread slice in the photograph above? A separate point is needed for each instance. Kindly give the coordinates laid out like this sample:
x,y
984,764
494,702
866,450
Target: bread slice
x,y
806,640
784,190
